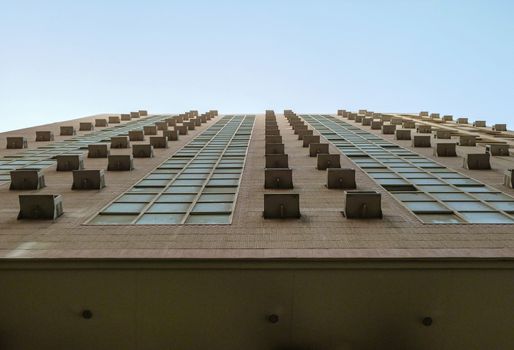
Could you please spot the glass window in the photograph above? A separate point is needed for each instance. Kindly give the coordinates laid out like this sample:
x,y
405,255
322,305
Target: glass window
x,y
505,206
113,219
121,208
405,170
174,167
153,183
429,165
188,182
469,206
208,219
227,171
220,190
438,188
225,176
463,182
388,175
413,196
392,182
196,171
136,198
159,176
192,176
476,189
419,175
399,165
209,208
452,196
440,218
449,175
427,182
216,198
199,166
176,198
183,189
146,189
222,183
493,196
160,219
169,208
428,207
487,218
230,166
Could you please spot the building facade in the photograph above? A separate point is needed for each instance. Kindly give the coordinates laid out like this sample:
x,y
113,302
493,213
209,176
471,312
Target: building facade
x,y
351,230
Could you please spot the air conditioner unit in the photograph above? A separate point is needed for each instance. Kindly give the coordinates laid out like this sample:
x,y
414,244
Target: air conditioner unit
x,y
273,139
363,205
277,161
338,178
120,163
281,206
421,141
69,162
136,135
44,136
40,206
142,151
316,148
445,149
16,142
403,134
308,139
99,150
326,161
27,179
477,161
274,148
278,178
67,130
120,142
88,180
159,141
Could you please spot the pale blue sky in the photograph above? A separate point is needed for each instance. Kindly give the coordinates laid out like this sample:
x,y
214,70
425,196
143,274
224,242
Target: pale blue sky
x,y
66,59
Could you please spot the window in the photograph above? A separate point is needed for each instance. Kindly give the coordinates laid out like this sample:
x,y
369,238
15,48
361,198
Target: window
x,y
469,206
437,195
197,185
427,207
440,218
487,218
42,157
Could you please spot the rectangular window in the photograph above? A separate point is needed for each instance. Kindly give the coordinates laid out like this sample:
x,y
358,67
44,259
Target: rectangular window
x,y
197,185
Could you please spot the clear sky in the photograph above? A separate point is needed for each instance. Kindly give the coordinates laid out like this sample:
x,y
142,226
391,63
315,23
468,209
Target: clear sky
x,y
65,59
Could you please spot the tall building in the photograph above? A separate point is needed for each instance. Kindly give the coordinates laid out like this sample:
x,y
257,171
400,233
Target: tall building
x,y
353,230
